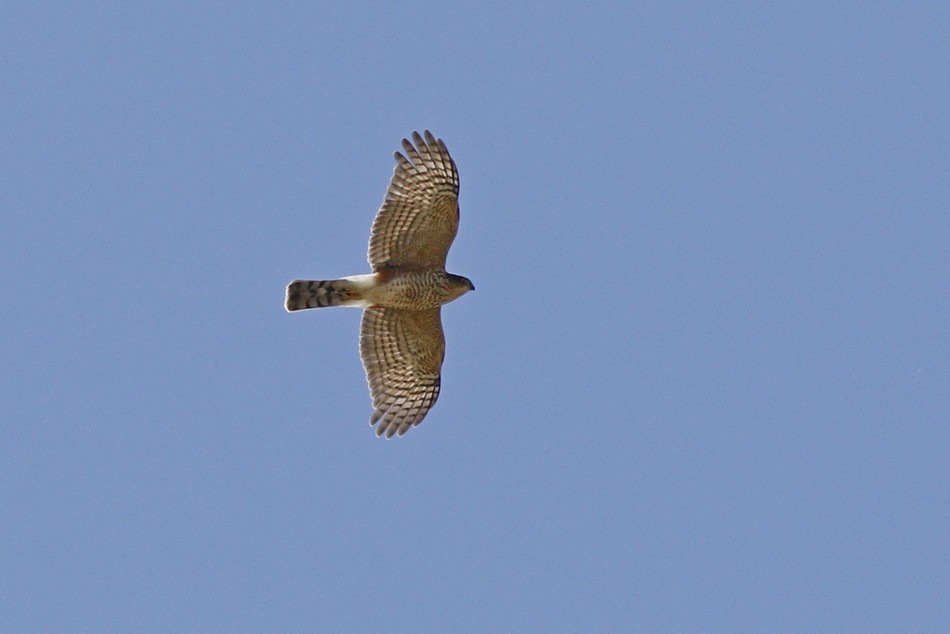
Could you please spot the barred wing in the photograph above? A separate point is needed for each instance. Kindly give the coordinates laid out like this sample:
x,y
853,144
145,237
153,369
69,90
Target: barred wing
x,y
420,215
402,352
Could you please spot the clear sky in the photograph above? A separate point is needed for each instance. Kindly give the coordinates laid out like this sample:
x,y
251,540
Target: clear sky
x,y
702,384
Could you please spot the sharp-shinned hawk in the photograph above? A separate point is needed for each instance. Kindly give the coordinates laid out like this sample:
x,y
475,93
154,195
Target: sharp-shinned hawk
x,y
401,340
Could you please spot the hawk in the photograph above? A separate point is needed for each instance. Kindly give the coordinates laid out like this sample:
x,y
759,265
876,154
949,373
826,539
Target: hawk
x,y
401,340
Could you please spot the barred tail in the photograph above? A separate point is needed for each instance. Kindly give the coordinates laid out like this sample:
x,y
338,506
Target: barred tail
x,y
303,294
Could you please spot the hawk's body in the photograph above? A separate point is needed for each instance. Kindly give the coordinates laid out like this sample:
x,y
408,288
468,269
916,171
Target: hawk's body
x,y
401,338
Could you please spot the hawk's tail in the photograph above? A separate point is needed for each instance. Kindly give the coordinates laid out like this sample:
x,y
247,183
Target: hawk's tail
x,y
303,294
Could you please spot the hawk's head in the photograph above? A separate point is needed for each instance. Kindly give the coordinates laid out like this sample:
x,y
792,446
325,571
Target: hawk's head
x,y
459,285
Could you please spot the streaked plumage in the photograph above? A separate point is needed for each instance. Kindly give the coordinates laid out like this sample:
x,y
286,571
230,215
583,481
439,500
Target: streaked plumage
x,y
402,344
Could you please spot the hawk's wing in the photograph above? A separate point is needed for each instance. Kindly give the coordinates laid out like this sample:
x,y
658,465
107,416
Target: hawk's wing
x,y
402,353
420,215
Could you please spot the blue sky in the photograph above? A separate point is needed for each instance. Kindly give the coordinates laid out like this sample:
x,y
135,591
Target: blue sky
x,y
702,384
